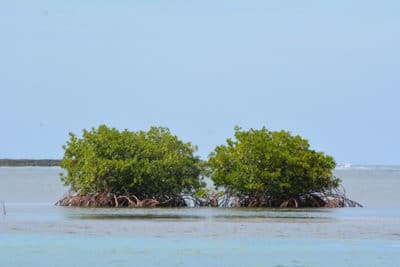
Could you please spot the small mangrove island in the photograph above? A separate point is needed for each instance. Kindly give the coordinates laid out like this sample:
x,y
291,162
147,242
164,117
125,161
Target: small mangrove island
x,y
29,162
106,167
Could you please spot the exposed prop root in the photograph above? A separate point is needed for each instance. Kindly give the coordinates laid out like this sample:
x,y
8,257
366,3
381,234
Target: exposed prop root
x,y
291,202
331,198
107,199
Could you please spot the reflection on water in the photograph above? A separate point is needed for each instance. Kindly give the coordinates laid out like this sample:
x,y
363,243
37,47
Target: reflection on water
x,y
196,214
135,217
22,211
346,223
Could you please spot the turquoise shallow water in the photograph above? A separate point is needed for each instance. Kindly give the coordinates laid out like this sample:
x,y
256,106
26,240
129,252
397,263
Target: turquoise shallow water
x,y
67,250
34,232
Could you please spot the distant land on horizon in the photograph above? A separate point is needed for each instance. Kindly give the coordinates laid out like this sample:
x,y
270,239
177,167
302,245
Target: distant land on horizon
x,y
29,162
56,162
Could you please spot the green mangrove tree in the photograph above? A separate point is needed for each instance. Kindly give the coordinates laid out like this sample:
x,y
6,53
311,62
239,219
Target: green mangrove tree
x,y
108,167
274,169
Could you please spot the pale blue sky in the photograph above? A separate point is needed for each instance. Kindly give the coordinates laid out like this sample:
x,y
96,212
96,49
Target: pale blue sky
x,y
327,70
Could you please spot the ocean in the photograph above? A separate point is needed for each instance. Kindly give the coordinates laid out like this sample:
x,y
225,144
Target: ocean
x,y
34,232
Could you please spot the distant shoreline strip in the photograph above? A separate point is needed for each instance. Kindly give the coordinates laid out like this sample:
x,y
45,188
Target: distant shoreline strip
x,y
29,162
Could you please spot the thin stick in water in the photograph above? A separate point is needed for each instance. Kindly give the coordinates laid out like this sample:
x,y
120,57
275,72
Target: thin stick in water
x,y
4,208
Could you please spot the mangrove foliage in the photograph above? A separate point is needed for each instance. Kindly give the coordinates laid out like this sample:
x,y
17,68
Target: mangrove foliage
x,y
108,167
274,169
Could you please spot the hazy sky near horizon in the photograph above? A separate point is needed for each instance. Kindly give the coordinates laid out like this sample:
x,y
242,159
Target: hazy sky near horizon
x,y
327,70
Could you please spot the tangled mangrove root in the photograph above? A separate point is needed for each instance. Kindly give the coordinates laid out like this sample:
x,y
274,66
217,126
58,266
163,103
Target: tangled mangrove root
x,y
107,199
331,198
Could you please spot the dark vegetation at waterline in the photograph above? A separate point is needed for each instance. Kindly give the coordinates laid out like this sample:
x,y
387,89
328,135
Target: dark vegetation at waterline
x,y
29,162
258,168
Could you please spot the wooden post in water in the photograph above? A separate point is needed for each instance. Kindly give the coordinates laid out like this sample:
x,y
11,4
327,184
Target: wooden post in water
x,y
4,208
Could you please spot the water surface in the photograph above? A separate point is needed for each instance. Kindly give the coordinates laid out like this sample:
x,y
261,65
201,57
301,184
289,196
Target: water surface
x,y
34,232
